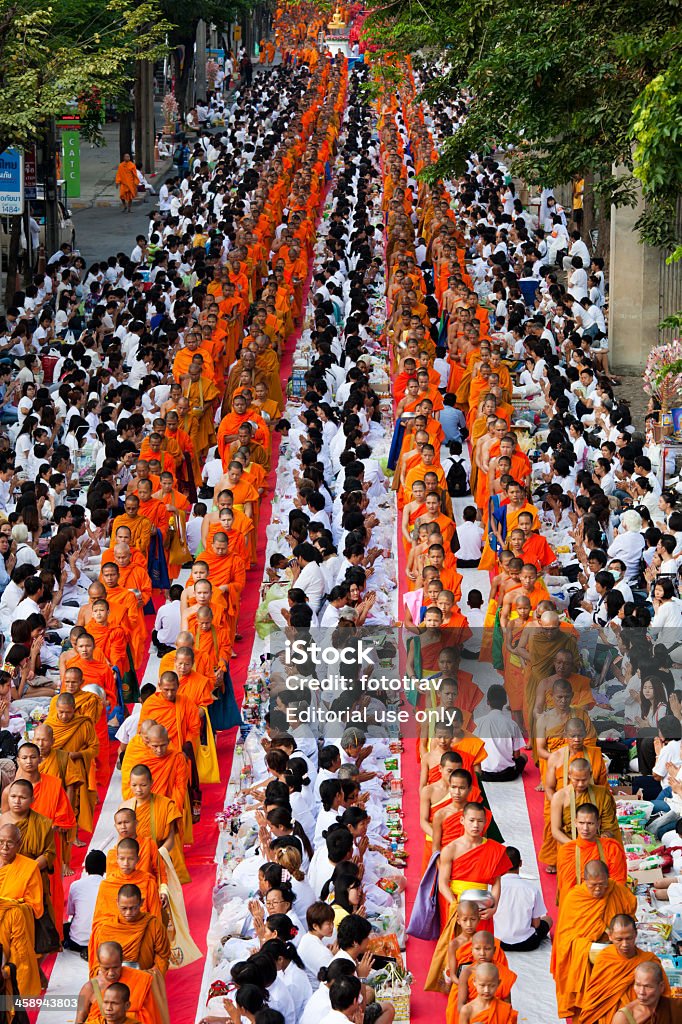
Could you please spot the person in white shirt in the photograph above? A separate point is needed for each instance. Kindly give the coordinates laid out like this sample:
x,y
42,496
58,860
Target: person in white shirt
x,y
312,949
470,537
521,918
344,998
503,740
167,624
80,905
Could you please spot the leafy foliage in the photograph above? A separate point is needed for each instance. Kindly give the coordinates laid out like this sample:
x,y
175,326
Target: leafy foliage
x,y
575,87
52,55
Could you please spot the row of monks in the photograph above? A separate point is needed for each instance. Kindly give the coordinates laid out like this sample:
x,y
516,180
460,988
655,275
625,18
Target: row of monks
x,y
582,841
227,375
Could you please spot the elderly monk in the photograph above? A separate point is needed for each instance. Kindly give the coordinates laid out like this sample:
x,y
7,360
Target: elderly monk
x,y
76,735
158,817
131,575
550,726
21,903
564,668
127,871
140,527
50,800
125,823
588,845
575,747
544,642
612,980
37,836
110,971
125,609
168,765
584,915
142,937
650,1005
581,790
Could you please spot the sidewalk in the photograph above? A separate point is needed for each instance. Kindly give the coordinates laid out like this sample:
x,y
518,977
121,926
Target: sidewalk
x,y
98,172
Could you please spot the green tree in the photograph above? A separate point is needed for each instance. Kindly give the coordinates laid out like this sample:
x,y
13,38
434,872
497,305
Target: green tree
x,y
577,88
52,55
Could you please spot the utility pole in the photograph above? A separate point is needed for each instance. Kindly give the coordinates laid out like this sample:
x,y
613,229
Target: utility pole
x,y
200,82
50,147
144,116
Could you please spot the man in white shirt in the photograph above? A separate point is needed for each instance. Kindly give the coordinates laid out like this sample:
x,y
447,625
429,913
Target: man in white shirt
x,y
81,903
503,740
167,624
521,918
470,537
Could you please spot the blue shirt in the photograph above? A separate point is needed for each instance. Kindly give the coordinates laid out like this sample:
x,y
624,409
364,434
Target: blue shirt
x,y
452,421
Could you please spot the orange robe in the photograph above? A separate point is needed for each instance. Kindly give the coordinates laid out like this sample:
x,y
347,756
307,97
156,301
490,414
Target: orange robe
x,y
79,736
574,855
154,819
170,774
21,902
181,719
142,1005
582,920
105,905
144,942
140,531
507,979
50,800
611,985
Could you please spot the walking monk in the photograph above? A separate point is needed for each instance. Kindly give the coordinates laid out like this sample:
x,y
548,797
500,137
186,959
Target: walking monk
x,y
110,971
158,817
584,915
127,181
76,735
588,845
21,904
611,983
142,937
487,1008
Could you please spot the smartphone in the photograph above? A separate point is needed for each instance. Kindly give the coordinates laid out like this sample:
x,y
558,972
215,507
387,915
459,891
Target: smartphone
x,y
379,962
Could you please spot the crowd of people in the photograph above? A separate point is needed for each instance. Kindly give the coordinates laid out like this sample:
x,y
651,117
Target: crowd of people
x,y
386,406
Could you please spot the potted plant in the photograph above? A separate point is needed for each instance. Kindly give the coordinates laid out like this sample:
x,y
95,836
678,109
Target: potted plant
x,y
663,381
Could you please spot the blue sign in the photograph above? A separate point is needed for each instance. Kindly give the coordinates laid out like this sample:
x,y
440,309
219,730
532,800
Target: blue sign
x,y
11,182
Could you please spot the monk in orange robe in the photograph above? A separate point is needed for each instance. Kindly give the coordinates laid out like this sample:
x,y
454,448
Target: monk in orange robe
x,y
585,913
176,714
50,801
158,817
588,846
109,970
125,610
212,646
153,509
110,640
37,836
21,903
76,734
140,527
168,765
142,937
465,992
195,686
227,572
126,871
131,575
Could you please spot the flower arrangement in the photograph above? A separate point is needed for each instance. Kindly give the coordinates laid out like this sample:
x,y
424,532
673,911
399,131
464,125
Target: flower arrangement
x,y
170,109
663,372
212,70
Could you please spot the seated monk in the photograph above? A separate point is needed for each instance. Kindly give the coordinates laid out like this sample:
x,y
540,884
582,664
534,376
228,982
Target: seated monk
x,y
650,1005
584,915
581,790
157,816
142,937
76,735
140,527
110,971
612,979
483,948
21,904
37,837
125,871
588,845
487,1008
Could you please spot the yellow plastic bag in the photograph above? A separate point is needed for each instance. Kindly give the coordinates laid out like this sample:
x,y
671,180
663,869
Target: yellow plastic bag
x,y
207,758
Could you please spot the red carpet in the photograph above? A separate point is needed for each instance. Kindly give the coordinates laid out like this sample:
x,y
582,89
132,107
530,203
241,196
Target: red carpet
x,y
535,802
